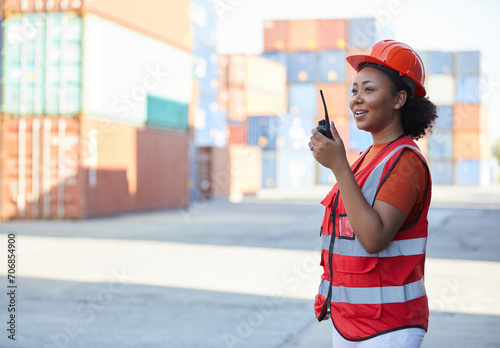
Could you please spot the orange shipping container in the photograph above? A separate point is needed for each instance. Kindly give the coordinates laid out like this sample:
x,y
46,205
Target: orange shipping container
x,y
167,21
214,172
336,99
67,168
332,34
243,103
275,35
257,72
40,168
470,117
246,170
237,133
470,144
303,35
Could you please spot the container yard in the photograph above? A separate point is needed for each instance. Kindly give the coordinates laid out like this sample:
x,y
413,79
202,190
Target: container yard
x,y
98,103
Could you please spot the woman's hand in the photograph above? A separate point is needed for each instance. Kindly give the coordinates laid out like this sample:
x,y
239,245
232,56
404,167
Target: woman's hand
x,y
329,152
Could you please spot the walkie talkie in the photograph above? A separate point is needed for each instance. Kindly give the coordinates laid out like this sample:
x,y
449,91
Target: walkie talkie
x,y
324,125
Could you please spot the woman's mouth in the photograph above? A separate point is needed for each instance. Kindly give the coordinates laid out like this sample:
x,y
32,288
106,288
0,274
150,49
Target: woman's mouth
x,y
359,113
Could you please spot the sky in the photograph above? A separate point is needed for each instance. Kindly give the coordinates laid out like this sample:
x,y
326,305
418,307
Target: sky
x,y
424,25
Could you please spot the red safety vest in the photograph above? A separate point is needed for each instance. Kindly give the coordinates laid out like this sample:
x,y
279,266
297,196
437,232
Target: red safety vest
x,y
371,294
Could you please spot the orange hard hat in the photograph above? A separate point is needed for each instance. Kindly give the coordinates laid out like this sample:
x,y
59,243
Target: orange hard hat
x,y
396,56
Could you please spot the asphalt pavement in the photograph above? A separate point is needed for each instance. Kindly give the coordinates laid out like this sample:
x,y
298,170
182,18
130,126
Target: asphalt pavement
x,y
229,274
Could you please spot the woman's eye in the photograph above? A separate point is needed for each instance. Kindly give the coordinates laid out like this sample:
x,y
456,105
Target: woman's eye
x,y
368,89
354,91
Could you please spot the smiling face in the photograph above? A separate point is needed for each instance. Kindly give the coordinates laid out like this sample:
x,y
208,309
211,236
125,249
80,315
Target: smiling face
x,y
373,104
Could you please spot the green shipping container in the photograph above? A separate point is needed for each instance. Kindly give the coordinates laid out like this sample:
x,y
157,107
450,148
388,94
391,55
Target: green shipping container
x,y
166,113
41,64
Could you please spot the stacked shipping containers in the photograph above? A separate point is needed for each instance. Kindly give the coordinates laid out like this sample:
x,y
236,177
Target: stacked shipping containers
x,y
458,149
314,53
90,124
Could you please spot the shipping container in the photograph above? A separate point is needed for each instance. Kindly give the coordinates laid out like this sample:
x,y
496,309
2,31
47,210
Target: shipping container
x,y
275,35
210,125
332,34
294,132
214,172
324,175
467,63
168,21
70,168
109,51
473,172
42,64
470,144
166,113
206,70
445,117
303,100
361,33
468,89
203,23
441,172
302,67
41,177
359,140
470,117
246,170
238,132
336,98
294,168
245,102
441,89
268,169
194,189
255,72
303,35
280,57
263,131
440,144
440,63
332,67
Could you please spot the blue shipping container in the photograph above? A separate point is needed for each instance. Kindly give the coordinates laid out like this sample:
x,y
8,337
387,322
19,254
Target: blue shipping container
x,y
294,168
325,175
440,63
210,124
361,33
294,132
472,172
302,67
332,66
204,23
166,113
206,70
441,172
263,131
280,57
359,140
467,63
303,100
268,169
468,89
445,117
440,145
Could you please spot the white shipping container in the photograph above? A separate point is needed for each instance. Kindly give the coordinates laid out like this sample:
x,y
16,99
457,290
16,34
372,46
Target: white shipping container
x,y
441,89
121,67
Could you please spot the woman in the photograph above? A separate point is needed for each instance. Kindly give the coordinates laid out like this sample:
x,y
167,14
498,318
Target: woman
x,y
374,230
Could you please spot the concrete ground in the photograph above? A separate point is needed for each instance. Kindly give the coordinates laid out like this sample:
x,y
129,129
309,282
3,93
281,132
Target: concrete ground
x,y
225,274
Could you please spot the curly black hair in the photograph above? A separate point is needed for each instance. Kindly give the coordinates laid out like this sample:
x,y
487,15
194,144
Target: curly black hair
x,y
417,114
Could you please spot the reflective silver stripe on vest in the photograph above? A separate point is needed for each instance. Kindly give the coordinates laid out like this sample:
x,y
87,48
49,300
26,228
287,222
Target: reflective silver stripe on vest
x,y
347,247
369,189
375,295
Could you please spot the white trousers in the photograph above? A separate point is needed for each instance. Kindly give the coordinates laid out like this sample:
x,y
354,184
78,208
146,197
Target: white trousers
x,y
405,338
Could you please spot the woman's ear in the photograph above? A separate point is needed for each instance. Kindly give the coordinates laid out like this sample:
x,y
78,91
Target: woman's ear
x,y
400,99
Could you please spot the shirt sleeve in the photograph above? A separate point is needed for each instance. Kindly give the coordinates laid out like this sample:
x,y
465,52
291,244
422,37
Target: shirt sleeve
x,y
406,185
